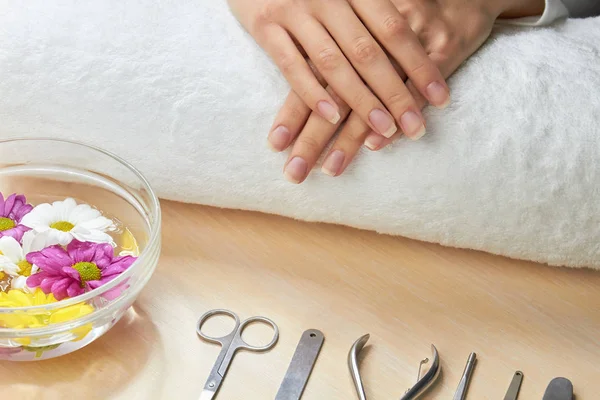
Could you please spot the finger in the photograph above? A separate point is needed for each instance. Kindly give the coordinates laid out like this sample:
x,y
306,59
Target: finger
x,y
373,65
341,76
446,65
294,67
289,122
291,118
310,144
351,138
395,34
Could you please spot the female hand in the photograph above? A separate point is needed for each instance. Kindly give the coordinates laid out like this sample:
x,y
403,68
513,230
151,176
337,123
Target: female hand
x,y
342,38
450,31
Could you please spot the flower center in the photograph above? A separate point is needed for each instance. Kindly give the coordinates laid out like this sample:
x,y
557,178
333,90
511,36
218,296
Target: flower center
x,y
87,271
6,224
62,226
24,268
2,275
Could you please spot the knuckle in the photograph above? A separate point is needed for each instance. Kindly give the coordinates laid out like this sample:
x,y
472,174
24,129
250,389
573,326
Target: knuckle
x,y
365,50
286,63
269,11
328,59
308,144
418,68
394,26
357,132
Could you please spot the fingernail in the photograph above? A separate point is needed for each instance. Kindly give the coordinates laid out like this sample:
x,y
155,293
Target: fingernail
x,y
295,170
333,163
412,125
328,111
279,138
383,123
374,140
438,95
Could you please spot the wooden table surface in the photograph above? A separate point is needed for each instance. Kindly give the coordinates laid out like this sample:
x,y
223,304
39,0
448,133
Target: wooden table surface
x,y
515,315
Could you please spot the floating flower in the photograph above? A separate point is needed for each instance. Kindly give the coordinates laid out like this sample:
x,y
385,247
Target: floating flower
x,y
20,320
66,220
83,266
13,259
12,211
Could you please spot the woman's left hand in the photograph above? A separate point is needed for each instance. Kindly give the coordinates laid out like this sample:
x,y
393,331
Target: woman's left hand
x,y
450,31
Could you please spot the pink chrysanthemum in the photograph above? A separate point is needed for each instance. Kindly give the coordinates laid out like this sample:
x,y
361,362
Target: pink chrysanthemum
x,y
12,211
83,266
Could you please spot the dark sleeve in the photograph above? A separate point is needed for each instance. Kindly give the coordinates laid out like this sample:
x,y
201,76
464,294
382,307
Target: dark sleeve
x,y
582,8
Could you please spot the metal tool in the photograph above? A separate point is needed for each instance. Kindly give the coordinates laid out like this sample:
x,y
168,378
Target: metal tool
x,y
423,383
515,386
559,389
301,366
463,385
230,344
353,365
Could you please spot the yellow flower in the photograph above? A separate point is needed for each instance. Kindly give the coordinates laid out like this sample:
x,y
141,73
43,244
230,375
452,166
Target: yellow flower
x,y
40,318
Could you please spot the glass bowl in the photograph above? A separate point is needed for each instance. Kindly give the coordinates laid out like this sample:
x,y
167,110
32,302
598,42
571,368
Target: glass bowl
x,y
47,170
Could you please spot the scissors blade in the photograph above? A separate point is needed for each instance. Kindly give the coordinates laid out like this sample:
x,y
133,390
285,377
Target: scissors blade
x,y
207,395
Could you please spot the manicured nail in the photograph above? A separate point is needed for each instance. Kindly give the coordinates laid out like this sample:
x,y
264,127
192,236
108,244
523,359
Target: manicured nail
x,y
295,170
279,138
412,125
383,123
333,163
438,95
328,112
374,140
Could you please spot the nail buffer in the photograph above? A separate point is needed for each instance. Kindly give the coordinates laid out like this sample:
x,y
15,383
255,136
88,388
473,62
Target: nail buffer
x,y
302,364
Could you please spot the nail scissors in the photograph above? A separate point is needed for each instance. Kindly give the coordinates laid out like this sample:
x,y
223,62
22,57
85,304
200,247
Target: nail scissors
x,y
230,344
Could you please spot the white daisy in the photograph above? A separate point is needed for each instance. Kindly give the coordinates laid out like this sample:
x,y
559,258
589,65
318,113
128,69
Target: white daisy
x,y
13,257
66,220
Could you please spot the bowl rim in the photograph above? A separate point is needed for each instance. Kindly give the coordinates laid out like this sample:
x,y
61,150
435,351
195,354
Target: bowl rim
x,y
154,237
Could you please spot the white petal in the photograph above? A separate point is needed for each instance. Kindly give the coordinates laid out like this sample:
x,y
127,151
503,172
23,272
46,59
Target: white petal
x,y
97,224
20,282
84,235
36,241
83,213
64,208
9,267
41,216
11,249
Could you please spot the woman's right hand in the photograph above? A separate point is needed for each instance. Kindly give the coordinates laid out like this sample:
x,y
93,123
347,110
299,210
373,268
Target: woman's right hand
x,y
341,38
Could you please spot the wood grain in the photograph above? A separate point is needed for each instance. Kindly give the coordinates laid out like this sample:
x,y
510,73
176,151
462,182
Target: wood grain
x,y
407,294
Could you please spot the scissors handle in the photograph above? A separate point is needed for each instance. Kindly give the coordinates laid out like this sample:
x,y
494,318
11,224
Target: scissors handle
x,y
224,341
242,344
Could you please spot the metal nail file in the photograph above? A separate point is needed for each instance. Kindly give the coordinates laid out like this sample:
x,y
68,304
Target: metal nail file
x,y
515,386
302,364
463,385
559,389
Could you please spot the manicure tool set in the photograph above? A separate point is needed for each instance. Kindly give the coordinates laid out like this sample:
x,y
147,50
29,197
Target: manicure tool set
x,y
307,352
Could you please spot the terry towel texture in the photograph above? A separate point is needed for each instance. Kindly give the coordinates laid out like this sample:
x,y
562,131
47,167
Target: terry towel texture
x,y
176,87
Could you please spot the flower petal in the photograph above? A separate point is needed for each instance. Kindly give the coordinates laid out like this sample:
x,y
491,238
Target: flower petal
x,y
84,235
83,213
64,209
8,266
59,288
46,284
72,273
41,216
11,249
81,251
99,223
51,259
35,280
74,289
